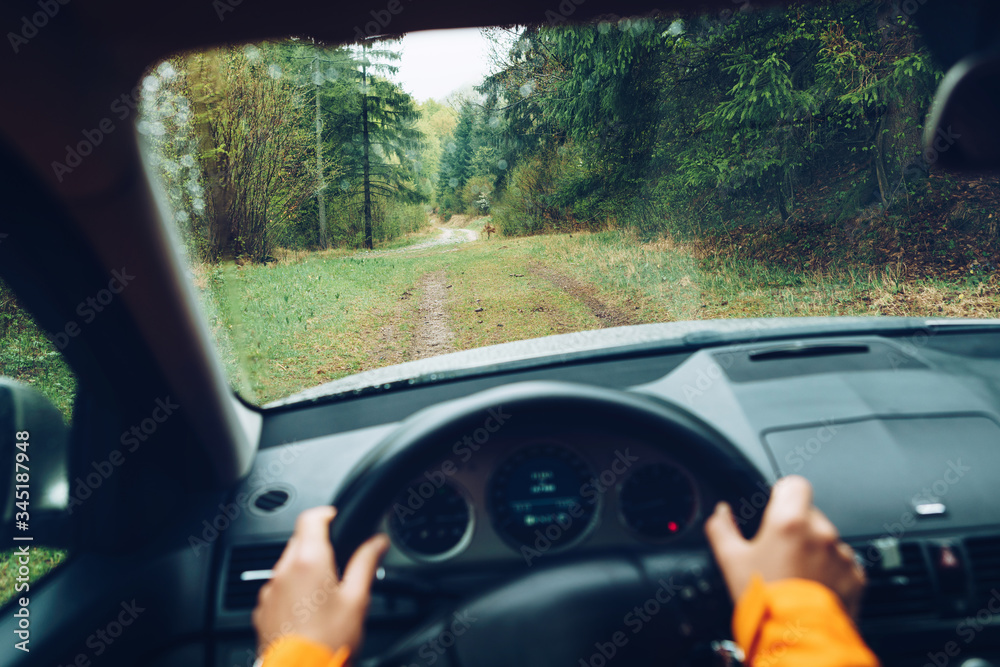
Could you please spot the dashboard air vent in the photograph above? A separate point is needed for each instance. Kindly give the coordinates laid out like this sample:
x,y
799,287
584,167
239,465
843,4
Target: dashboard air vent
x,y
984,559
271,500
247,573
898,591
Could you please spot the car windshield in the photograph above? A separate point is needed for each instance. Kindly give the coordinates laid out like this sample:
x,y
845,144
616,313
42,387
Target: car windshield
x,y
346,208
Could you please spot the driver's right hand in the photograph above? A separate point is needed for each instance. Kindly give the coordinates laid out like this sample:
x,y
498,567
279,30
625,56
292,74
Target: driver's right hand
x,y
795,541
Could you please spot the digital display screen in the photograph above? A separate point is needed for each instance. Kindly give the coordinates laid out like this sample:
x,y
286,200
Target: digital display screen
x,y
543,491
537,497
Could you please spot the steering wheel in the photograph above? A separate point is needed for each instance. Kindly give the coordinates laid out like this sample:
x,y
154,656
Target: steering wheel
x,y
636,608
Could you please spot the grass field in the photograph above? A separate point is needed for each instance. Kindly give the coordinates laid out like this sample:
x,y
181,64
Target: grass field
x,y
327,315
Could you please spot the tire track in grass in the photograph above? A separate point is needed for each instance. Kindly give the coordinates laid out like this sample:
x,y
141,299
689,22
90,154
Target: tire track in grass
x,y
433,334
608,315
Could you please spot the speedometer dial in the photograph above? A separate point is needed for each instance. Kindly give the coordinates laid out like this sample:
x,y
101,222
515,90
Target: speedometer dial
x,y
431,525
537,498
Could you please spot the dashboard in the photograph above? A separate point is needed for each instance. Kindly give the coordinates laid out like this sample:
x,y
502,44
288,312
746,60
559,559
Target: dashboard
x,y
898,435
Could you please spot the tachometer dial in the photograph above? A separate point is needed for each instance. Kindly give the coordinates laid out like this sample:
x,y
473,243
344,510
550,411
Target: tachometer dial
x,y
538,499
658,500
432,527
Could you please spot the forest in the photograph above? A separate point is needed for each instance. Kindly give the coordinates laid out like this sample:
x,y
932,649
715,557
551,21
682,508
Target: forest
x,y
760,130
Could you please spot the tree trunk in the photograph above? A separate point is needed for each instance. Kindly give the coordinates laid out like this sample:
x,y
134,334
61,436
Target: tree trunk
x,y
366,165
207,82
880,158
782,208
319,161
781,199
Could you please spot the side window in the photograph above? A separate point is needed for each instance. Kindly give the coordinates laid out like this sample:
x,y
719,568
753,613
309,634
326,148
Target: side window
x,y
28,356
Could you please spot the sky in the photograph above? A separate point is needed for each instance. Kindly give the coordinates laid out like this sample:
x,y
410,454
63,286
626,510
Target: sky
x,y
437,62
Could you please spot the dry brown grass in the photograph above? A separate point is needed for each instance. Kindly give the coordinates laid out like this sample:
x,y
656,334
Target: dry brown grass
x,y
290,256
199,275
982,301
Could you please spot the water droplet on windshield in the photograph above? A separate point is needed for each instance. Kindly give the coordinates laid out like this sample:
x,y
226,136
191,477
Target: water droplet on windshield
x,y
166,71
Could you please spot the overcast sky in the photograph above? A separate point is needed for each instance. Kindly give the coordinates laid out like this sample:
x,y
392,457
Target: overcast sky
x,y
437,62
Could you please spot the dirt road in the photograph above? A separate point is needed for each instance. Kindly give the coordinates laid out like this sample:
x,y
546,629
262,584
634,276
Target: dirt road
x,y
446,236
433,334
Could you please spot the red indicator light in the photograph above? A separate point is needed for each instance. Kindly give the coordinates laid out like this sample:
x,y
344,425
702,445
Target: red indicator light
x,y
672,527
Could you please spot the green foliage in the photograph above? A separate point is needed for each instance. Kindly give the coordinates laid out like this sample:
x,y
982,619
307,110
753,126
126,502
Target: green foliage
x,y
245,140
437,121
226,132
684,123
28,356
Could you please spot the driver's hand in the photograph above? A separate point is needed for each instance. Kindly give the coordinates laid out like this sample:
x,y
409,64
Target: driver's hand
x,y
305,597
795,540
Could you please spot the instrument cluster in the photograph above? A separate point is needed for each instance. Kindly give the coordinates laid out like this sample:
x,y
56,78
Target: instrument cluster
x,y
545,496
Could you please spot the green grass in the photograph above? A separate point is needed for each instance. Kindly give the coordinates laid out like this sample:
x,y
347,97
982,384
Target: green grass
x,y
496,276
28,356
41,563
673,285
300,324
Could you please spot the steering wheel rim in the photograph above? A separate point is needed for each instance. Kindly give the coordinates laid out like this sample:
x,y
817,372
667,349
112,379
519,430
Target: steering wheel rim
x,y
428,435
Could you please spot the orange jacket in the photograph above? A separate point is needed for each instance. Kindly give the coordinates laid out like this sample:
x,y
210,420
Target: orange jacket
x,y
797,622
784,623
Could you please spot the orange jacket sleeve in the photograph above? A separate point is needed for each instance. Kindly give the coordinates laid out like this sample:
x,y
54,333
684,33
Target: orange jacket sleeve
x,y
295,651
797,622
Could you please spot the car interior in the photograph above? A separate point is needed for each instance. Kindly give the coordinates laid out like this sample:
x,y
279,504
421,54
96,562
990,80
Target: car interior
x,y
894,420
